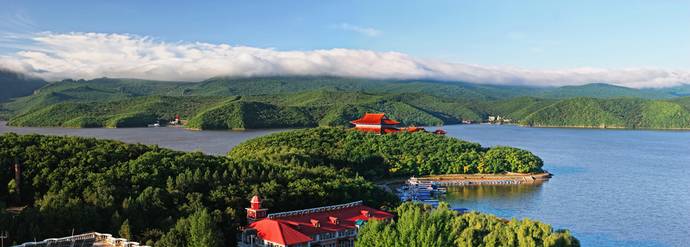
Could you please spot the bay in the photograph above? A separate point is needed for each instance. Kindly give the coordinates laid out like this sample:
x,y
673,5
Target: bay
x,y
610,187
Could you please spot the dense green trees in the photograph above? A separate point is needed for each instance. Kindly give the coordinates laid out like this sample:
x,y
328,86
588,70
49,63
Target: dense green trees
x,y
154,194
373,155
508,159
419,225
613,113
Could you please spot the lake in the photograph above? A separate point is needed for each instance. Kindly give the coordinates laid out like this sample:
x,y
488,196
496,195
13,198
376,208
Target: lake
x,y
610,187
209,141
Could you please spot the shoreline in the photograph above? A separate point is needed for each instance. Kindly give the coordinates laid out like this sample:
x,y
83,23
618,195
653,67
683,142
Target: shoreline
x,y
487,179
598,128
5,123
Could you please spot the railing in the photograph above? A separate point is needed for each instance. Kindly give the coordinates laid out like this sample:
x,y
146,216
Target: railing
x,y
97,237
314,210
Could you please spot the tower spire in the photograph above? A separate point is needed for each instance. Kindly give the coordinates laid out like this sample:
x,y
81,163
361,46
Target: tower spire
x,y
254,211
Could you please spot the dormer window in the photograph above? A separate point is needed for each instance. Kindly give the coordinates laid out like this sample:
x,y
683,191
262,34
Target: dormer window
x,y
315,223
334,220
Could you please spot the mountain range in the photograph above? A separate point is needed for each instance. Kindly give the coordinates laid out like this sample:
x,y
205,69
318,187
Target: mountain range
x,y
265,102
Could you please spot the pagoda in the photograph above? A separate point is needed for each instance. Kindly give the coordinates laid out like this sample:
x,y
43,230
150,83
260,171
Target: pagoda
x,y
376,123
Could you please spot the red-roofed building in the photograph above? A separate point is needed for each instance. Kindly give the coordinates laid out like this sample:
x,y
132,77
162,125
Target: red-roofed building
x,y
330,226
376,123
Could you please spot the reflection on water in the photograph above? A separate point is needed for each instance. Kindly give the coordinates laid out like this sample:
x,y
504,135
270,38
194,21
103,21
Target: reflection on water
x,y
503,200
458,194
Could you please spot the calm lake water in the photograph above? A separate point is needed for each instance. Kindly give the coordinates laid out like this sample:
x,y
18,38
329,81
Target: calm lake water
x,y
208,141
611,187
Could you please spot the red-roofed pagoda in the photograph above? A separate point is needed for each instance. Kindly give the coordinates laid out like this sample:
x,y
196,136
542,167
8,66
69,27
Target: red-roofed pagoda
x,y
379,123
335,225
376,123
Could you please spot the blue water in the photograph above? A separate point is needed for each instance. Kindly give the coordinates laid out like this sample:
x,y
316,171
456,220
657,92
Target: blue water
x,y
209,142
611,187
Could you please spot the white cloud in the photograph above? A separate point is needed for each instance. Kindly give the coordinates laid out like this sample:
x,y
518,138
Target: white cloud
x,y
92,55
368,31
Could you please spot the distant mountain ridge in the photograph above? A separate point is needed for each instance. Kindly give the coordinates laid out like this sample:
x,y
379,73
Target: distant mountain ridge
x,y
296,101
14,84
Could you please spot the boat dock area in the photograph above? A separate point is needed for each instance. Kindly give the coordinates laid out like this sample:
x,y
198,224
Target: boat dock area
x,y
430,189
481,179
425,192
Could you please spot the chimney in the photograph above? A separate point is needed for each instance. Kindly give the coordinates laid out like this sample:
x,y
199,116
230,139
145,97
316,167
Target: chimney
x,y
334,220
315,223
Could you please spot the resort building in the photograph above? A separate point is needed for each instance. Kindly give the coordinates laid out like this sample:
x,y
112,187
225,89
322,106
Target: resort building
x,y
93,239
330,226
376,123
379,123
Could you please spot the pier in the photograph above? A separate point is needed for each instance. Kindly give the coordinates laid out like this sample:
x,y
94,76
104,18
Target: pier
x,y
481,179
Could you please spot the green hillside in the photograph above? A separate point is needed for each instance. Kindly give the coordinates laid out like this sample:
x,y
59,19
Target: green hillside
x,y
306,109
134,112
306,101
601,90
17,85
13,85
400,154
612,113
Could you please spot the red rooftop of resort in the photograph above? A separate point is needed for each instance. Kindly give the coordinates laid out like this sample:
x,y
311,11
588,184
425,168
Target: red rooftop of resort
x,y
375,119
379,123
323,225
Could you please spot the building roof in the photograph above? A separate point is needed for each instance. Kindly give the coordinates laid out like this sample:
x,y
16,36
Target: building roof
x,y
297,226
375,119
279,232
374,129
255,199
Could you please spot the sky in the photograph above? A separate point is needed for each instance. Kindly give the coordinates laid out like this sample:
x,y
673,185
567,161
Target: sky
x,y
546,43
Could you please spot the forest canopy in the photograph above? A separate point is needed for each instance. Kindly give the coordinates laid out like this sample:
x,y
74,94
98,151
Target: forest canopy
x,y
419,225
399,154
153,195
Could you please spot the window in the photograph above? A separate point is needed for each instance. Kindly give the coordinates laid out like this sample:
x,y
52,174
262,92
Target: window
x,y
327,235
346,243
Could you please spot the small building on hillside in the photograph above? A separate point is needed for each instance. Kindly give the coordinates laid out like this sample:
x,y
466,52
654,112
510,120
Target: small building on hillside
x,y
329,226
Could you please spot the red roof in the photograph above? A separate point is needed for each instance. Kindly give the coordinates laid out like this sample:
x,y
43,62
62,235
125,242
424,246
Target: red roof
x,y
279,232
440,132
377,130
375,119
295,229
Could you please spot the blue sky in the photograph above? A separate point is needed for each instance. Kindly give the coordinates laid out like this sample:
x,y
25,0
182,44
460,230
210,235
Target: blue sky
x,y
525,34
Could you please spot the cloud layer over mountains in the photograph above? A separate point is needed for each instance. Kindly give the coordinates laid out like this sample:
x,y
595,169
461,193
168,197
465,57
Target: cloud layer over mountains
x,y
91,55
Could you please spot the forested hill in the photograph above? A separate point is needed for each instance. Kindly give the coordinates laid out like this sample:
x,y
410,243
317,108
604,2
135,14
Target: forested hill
x,y
375,156
306,109
613,113
14,85
268,102
153,195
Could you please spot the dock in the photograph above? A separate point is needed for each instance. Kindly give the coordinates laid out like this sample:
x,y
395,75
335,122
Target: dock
x,y
481,179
